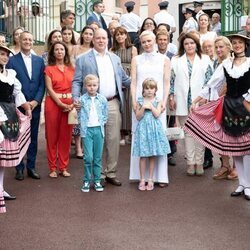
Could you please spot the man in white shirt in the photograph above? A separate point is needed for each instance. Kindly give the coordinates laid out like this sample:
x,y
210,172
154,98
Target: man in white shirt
x,y
130,21
198,9
216,24
164,17
107,66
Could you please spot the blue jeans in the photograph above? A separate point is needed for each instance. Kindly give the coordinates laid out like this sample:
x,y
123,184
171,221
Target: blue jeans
x,y
93,148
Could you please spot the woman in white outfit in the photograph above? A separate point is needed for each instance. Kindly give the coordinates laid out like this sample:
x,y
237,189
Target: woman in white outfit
x,y
149,64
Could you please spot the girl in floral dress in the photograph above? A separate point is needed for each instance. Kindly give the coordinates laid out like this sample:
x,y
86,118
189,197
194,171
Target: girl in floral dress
x,y
150,140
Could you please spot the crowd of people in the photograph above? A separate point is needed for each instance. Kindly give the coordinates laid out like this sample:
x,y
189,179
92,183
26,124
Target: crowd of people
x,y
122,78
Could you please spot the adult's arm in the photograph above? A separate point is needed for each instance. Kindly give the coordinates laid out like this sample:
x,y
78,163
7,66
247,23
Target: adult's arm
x,y
133,82
41,89
78,79
53,95
166,82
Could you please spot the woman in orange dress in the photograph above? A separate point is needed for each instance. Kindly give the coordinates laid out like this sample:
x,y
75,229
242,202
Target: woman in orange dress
x,y
58,76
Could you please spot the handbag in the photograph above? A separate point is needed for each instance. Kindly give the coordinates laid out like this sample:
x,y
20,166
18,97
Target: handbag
x,y
72,117
176,133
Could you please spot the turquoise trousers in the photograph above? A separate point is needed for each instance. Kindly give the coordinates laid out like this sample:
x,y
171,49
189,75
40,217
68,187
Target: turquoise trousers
x,y
93,148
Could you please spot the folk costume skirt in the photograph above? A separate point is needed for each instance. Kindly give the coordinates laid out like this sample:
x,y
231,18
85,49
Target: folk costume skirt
x,y
204,125
12,152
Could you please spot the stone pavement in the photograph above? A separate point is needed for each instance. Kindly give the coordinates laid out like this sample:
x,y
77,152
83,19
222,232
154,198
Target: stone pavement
x,y
191,213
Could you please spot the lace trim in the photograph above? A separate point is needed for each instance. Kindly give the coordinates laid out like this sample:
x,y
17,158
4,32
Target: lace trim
x,y
236,71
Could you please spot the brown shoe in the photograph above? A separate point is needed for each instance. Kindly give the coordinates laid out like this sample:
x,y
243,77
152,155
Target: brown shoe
x,y
222,173
233,175
114,181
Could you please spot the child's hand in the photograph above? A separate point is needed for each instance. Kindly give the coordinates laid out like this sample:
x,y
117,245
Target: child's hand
x,y
147,105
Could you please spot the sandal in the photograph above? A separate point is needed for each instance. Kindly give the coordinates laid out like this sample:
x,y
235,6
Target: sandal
x,y
222,173
2,205
53,174
142,185
150,185
65,173
233,175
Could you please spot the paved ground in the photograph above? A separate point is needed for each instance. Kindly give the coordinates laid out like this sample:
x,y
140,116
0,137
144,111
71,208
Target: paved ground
x,y
191,213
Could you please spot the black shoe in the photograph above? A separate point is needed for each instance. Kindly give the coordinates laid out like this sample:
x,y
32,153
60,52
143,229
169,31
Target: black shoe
x,y
235,194
103,182
114,181
208,163
19,175
171,161
33,174
8,197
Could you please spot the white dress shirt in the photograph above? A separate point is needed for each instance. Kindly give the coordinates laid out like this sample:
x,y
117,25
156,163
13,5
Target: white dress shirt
x,y
27,62
131,22
106,75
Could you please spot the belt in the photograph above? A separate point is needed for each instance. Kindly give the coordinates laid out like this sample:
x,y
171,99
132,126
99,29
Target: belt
x,y
112,98
62,95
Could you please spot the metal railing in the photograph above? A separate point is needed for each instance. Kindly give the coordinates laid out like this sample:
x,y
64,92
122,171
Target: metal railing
x,y
36,16
231,13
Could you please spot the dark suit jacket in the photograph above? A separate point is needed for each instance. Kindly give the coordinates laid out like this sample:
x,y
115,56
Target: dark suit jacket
x,y
34,88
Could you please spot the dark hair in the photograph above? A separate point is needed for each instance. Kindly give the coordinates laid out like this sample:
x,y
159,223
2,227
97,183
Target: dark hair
x,y
142,27
65,13
116,45
96,3
51,56
81,38
67,27
49,42
192,36
130,9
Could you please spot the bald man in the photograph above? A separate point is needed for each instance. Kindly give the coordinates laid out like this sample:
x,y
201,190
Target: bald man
x,y
107,66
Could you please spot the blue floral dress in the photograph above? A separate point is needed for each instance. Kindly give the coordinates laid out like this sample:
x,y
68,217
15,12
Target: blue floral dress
x,y
150,139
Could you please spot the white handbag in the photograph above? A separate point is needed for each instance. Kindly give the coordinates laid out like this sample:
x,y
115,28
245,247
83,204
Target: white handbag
x,y
175,133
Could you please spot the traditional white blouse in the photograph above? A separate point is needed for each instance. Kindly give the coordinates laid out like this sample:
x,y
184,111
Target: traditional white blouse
x,y
211,90
11,79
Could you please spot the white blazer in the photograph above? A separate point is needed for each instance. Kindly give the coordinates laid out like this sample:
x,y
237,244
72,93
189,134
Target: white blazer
x,y
181,83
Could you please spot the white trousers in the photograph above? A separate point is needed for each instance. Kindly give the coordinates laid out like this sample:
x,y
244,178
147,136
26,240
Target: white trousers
x,y
194,150
242,164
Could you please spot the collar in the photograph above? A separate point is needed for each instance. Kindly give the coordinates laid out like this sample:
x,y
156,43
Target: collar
x,y
153,53
25,56
89,97
96,53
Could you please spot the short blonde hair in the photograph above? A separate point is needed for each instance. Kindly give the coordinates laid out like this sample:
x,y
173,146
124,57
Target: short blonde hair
x,y
147,33
89,78
149,83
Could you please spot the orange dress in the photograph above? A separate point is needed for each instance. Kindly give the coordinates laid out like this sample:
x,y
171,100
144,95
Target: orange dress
x,y
57,131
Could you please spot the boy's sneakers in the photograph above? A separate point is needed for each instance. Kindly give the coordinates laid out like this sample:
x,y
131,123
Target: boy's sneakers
x,y
98,187
85,187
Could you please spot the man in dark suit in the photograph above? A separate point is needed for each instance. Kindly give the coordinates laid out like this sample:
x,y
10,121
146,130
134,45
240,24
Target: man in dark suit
x,y
107,66
30,72
96,16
